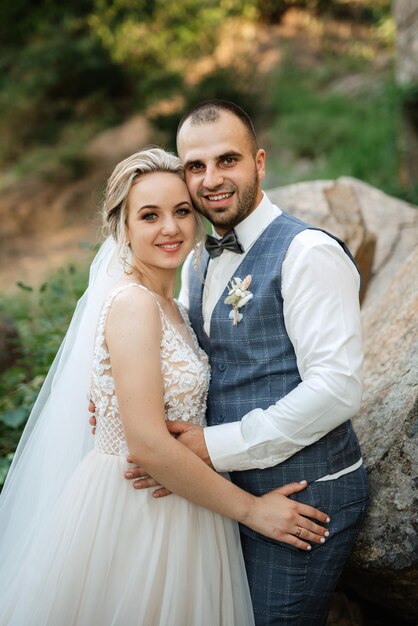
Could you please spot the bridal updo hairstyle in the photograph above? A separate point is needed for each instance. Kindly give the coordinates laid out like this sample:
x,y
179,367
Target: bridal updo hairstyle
x,y
121,181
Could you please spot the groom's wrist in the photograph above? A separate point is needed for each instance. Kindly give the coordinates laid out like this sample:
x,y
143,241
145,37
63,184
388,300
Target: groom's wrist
x,y
225,446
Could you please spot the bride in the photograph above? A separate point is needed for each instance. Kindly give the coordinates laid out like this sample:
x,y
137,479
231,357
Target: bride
x,y
78,545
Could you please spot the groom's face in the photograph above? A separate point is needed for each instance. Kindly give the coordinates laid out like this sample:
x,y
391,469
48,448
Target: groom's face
x,y
223,169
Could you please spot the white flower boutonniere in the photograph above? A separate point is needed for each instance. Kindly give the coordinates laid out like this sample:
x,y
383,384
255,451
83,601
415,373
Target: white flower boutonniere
x,y
238,296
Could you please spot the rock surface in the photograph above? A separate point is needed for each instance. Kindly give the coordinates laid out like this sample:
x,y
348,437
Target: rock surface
x,y
391,222
387,550
335,207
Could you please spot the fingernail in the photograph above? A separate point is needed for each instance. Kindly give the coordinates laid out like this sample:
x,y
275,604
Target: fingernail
x,y
328,520
303,482
129,475
326,533
322,540
309,547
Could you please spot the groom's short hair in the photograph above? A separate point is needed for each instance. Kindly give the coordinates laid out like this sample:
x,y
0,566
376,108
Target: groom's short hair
x,y
209,111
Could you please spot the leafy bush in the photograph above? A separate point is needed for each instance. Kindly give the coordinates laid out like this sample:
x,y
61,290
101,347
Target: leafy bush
x,y
41,316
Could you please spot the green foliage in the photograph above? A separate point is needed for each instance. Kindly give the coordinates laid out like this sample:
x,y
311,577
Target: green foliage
x,y
41,316
318,132
366,11
95,61
62,76
228,83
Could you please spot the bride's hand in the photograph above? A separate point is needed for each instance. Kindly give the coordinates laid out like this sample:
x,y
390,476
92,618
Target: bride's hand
x,y
142,480
92,420
276,516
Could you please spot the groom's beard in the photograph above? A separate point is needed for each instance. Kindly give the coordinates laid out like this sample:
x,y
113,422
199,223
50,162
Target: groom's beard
x,y
245,201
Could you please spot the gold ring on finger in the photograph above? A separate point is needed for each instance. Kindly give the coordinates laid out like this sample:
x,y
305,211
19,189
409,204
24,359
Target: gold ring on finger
x,y
299,530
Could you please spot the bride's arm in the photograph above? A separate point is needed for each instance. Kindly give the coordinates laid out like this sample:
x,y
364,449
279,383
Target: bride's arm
x,y
133,336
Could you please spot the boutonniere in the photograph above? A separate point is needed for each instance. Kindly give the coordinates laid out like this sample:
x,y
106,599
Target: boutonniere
x,y
238,296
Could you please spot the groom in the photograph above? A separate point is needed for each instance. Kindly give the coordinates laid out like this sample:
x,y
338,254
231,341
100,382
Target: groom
x,y
286,366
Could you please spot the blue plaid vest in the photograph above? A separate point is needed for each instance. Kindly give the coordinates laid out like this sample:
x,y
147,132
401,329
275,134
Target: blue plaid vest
x,y
254,363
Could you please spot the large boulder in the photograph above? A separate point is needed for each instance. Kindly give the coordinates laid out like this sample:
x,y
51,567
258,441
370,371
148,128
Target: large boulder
x,y
384,565
381,231
335,207
386,553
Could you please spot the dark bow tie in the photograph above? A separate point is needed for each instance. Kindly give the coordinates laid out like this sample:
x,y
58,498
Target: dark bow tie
x,y
215,246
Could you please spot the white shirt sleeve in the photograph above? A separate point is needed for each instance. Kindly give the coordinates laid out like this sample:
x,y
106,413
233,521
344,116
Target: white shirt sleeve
x,y
183,296
320,288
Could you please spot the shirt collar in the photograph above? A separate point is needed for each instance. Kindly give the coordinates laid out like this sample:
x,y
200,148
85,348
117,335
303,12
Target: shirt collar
x,y
251,228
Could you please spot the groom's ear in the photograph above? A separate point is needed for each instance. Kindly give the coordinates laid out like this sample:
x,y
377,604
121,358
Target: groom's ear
x,y
260,161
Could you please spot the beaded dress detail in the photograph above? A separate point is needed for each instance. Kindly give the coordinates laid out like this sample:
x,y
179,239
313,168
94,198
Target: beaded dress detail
x,y
186,377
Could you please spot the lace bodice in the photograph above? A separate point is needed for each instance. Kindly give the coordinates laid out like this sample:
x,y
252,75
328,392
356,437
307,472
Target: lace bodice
x,y
186,374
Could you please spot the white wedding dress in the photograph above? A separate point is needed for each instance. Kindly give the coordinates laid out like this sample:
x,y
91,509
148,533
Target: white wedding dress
x,y
110,555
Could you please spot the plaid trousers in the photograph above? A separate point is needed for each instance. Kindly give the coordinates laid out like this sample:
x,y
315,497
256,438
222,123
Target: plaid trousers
x,y
292,587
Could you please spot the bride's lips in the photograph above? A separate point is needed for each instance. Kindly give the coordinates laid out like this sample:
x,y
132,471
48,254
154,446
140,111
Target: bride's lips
x,y
170,246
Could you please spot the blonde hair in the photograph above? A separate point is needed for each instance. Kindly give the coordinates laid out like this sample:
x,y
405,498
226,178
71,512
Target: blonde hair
x,y
121,181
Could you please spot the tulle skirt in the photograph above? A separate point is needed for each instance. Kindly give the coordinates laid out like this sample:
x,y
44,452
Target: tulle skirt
x,y
113,556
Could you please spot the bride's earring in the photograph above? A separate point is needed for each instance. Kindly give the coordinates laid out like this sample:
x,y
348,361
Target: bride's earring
x,y
124,258
196,255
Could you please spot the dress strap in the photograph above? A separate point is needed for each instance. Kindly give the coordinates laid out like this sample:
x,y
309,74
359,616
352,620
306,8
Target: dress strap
x,y
117,291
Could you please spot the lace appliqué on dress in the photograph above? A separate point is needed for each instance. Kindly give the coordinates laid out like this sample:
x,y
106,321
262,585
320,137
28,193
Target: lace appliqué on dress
x,y
186,375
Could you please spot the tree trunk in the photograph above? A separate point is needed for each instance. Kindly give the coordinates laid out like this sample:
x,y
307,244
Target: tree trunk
x,y
406,18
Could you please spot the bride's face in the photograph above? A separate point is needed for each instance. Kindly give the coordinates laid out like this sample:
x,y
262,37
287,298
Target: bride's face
x,y
161,225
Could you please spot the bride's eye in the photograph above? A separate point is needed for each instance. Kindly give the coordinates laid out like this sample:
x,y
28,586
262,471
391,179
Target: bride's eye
x,y
148,216
183,211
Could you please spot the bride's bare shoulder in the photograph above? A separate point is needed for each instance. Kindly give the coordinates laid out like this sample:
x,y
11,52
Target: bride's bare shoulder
x,y
133,306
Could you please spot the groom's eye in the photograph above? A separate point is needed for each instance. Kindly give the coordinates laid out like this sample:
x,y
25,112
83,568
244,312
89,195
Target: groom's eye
x,y
195,167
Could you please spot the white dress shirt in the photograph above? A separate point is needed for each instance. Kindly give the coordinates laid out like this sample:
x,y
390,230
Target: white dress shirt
x,y
322,319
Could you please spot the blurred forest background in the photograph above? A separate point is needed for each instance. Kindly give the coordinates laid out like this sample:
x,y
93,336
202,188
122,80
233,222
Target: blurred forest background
x,y
317,76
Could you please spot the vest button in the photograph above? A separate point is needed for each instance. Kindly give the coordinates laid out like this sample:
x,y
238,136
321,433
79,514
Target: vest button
x,y
221,367
220,419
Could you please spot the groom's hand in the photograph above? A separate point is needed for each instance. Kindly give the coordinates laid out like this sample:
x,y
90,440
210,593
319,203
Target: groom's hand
x,y
191,436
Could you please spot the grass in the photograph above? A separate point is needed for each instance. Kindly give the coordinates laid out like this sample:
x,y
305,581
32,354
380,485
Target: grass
x,y
317,132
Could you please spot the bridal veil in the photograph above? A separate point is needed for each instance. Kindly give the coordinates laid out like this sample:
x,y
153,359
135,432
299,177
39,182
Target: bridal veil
x,y
57,435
